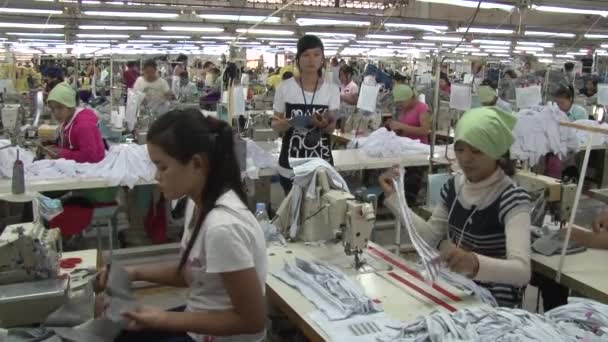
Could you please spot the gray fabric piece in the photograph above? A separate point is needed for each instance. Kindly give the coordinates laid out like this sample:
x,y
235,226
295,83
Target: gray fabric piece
x,y
74,321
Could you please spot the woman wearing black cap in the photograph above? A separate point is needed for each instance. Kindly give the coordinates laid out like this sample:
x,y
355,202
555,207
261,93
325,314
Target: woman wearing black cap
x,y
305,109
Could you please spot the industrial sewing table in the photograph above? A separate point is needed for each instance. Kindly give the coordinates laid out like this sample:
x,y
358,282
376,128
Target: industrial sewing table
x,y
391,280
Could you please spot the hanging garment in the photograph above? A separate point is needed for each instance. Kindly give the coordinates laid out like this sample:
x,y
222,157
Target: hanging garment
x,y
328,288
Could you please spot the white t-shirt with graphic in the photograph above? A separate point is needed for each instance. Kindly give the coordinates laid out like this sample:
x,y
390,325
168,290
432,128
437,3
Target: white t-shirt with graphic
x,y
156,92
302,140
230,239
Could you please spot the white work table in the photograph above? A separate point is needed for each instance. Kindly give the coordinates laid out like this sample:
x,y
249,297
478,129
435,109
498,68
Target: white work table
x,y
389,284
586,273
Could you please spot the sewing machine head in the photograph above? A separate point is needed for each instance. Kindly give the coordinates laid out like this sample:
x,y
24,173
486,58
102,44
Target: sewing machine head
x,y
29,251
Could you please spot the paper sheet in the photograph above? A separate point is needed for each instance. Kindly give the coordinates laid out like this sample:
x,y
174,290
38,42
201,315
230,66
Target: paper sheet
x,y
602,94
461,98
528,97
368,97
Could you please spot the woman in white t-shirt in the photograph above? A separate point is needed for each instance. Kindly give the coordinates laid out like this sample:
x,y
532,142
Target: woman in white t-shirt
x,y
155,88
305,110
223,254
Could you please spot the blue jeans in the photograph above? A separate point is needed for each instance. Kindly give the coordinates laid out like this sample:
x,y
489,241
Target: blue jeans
x,y
155,335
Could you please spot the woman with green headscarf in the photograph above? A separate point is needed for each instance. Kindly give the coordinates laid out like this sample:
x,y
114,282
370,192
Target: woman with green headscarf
x,y
482,222
414,120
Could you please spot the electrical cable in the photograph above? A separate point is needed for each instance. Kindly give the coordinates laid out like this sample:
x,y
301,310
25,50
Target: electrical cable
x,y
464,35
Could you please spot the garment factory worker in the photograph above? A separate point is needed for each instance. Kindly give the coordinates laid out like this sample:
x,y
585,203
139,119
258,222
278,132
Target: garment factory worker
x,y
564,97
598,237
569,74
52,76
130,75
349,93
305,109
506,86
414,120
488,97
156,89
80,138
444,83
590,88
482,222
223,251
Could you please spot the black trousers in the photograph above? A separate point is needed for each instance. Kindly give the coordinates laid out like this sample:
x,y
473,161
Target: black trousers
x,y
286,184
155,335
553,294
413,183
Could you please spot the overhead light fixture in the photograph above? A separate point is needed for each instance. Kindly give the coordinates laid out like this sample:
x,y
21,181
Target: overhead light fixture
x,y
117,36
112,28
282,43
222,37
498,47
192,28
576,53
132,14
501,55
546,61
543,44
472,4
388,36
564,56
543,54
148,41
28,11
495,51
484,30
265,31
421,44
241,18
332,34
32,26
372,42
466,50
39,40
491,42
569,10
155,36
479,54
330,22
32,34
529,48
442,38
596,36
421,27
549,34
280,39
330,41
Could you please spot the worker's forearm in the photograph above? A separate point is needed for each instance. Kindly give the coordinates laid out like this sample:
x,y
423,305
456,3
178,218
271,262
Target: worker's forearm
x,y
331,127
412,130
160,273
598,240
214,323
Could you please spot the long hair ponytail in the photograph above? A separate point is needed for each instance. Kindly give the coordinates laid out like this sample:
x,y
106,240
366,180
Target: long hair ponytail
x,y
184,133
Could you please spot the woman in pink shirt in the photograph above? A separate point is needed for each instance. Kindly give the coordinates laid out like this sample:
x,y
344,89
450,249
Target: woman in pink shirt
x,y
414,119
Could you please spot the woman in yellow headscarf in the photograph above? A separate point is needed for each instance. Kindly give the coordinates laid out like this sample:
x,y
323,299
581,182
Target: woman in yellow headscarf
x,y
482,222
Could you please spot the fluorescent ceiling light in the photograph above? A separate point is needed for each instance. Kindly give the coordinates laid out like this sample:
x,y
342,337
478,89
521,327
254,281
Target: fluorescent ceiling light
x,y
332,34
280,39
421,44
132,14
112,28
547,61
192,29
388,36
501,55
495,51
148,41
543,44
102,35
577,53
549,34
282,43
330,22
569,10
484,30
472,4
32,26
265,31
492,47
32,34
330,41
373,42
421,27
222,37
442,38
466,50
596,36
543,54
29,11
241,18
529,48
479,54
154,36
38,40
491,42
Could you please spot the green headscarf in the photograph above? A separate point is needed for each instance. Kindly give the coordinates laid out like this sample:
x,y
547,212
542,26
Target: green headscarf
x,y
402,93
63,93
486,94
488,129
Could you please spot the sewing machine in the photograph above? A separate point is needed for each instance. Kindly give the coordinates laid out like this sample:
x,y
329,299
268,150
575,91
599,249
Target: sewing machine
x,y
558,195
258,127
29,274
333,213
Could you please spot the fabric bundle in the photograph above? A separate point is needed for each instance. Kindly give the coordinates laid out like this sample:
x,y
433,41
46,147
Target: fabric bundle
x,y
257,159
385,144
429,256
580,320
8,156
468,286
598,139
537,133
327,287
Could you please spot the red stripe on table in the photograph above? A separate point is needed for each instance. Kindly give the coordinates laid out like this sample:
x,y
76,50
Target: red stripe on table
x,y
413,273
422,291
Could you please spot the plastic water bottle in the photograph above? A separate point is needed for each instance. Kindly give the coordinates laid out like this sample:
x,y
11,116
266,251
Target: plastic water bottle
x,y
261,215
